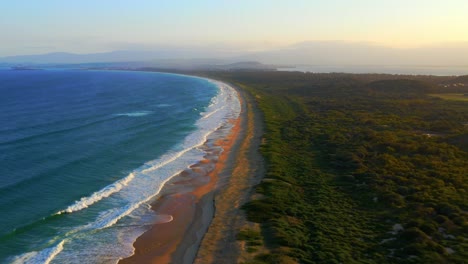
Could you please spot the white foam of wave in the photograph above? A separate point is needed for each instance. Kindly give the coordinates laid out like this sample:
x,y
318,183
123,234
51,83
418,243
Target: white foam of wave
x,y
151,178
206,115
162,219
112,216
135,114
165,159
127,196
107,191
217,105
44,256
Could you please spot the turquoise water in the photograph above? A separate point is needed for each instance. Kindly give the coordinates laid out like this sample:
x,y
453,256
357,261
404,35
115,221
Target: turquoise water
x,y
83,152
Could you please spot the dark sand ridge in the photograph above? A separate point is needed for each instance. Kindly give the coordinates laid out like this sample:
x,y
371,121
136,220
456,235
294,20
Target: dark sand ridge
x,y
188,198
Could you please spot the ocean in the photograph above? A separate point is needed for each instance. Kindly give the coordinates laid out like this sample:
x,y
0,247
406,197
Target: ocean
x,y
83,153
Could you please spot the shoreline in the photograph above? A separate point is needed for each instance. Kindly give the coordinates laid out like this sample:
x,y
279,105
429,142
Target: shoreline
x,y
244,171
189,199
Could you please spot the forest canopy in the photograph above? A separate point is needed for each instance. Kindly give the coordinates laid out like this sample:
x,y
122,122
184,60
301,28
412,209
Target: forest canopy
x,y
361,168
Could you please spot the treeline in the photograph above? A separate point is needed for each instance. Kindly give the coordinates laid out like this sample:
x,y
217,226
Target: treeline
x,y
360,169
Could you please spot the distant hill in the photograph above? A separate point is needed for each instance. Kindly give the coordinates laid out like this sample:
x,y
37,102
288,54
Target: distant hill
x,y
150,57
363,53
243,65
320,53
131,59
72,58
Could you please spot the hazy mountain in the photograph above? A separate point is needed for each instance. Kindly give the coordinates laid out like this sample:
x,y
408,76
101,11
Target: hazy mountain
x,y
358,53
65,58
312,53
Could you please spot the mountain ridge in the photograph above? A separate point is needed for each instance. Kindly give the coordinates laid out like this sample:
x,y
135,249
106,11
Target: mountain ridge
x,y
311,53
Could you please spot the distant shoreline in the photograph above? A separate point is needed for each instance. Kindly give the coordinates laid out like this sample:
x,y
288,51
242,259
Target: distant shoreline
x,y
382,69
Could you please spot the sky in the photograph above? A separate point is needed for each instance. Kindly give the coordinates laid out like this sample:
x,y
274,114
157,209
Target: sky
x,y
89,26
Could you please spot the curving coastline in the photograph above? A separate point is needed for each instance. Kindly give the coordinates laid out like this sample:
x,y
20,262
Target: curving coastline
x,y
243,170
189,199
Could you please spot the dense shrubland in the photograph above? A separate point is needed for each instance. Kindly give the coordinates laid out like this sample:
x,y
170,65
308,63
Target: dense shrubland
x,y
360,169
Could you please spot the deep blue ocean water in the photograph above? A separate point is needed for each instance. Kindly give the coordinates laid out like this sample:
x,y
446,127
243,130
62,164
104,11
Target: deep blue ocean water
x,y
82,153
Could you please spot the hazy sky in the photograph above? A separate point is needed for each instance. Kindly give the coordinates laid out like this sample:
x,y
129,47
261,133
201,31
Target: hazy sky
x,y
84,26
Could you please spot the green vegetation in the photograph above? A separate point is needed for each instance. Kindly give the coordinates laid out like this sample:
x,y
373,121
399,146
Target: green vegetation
x,y
252,238
451,96
360,169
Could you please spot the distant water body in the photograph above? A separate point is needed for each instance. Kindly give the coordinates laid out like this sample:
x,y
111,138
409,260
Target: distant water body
x,y
409,70
83,152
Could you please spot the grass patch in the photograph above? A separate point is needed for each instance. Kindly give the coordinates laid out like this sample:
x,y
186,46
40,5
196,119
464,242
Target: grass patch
x,y
253,239
451,96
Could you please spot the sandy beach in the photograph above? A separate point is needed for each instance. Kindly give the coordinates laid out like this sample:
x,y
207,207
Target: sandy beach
x,y
191,197
243,171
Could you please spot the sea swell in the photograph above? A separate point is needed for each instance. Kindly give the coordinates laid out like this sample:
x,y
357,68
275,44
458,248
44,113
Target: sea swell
x,y
44,256
84,202
126,196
